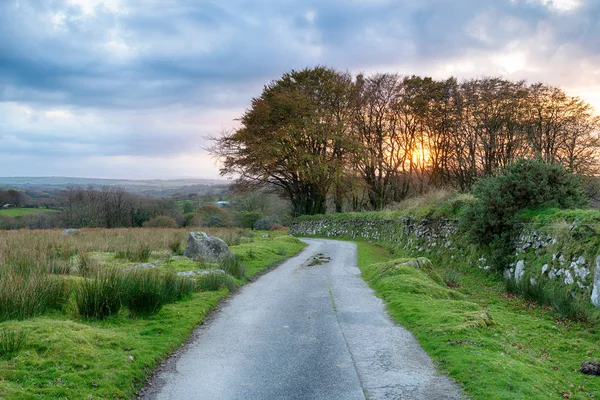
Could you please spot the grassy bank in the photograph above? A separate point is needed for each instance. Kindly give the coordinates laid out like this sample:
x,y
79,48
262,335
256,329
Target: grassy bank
x,y
65,355
497,346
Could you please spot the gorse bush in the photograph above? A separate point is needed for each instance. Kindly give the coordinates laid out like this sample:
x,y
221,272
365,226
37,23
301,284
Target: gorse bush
x,y
492,219
11,341
101,296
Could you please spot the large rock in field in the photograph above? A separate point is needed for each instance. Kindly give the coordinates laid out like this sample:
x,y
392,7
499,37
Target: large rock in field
x,y
205,247
596,290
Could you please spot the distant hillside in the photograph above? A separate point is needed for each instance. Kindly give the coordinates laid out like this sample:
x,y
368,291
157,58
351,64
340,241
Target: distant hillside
x,y
153,187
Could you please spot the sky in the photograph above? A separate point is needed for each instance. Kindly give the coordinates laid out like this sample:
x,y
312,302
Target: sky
x,y
131,89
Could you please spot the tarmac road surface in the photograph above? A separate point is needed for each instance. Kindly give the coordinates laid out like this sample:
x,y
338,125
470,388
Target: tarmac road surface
x,y
309,329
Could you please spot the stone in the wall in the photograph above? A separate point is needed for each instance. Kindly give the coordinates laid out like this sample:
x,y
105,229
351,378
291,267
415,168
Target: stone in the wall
x,y
581,272
568,278
519,270
596,290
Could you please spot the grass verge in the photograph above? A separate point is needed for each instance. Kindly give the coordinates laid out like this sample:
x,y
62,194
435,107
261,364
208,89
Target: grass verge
x,y
19,212
496,345
67,358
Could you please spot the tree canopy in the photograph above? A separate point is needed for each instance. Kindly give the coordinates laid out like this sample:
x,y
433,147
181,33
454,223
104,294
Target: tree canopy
x,y
367,141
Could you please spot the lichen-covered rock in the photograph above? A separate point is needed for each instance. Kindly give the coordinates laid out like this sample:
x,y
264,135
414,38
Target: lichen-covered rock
x,y
69,231
596,288
568,278
201,272
202,246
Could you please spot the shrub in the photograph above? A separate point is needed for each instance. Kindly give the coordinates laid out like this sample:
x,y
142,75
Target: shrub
x,y
233,266
213,216
215,281
161,221
492,219
248,219
101,296
11,341
266,223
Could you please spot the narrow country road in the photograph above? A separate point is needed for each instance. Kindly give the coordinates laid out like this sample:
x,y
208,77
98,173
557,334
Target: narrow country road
x,y
310,329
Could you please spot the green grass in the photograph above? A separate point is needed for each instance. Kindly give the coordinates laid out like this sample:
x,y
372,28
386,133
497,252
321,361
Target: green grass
x,y
19,212
545,215
67,357
520,350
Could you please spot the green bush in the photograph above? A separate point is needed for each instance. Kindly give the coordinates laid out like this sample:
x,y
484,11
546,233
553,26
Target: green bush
x,y
100,296
492,219
213,216
266,223
248,219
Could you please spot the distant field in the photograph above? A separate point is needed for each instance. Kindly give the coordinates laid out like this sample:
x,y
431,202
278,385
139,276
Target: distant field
x,y
19,212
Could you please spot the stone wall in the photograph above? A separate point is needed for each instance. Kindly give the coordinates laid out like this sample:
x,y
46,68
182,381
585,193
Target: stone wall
x,y
564,253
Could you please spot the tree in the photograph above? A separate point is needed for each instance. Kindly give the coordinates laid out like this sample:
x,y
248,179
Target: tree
x,y
293,137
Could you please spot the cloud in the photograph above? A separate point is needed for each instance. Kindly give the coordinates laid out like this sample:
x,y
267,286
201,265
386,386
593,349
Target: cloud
x,y
134,79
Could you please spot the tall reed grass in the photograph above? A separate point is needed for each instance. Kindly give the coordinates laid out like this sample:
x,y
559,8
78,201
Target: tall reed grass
x,y
32,264
11,341
25,295
101,296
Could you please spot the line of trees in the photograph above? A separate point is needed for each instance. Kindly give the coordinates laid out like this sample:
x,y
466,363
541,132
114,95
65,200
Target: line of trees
x,y
13,197
110,207
367,141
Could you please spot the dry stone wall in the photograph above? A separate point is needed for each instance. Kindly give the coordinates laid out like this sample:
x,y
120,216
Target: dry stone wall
x,y
565,254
